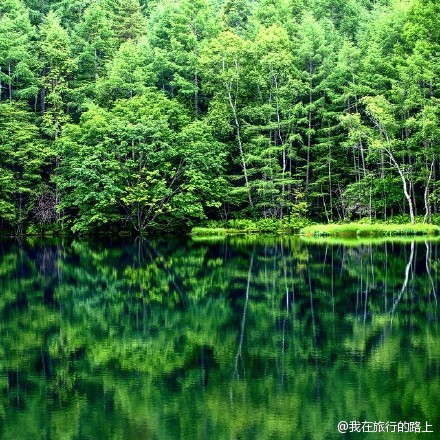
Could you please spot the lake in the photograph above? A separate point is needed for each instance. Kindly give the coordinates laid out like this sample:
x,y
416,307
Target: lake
x,y
236,338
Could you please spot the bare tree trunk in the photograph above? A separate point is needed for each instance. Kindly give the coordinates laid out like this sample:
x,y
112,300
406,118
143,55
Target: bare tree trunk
x,y
330,181
233,105
43,100
284,159
434,176
10,82
240,146
427,216
309,133
361,148
325,205
370,201
405,183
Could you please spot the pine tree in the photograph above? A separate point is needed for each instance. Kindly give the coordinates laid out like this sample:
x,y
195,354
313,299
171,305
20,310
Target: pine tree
x,y
225,67
128,22
57,63
95,42
18,63
177,32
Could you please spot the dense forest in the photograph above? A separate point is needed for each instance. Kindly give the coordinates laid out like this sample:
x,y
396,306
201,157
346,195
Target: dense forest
x,y
161,115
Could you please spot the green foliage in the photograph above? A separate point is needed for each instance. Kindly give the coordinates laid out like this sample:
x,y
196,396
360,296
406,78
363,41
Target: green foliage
x,y
18,73
141,162
362,229
57,64
180,112
94,43
129,73
24,157
201,231
129,22
291,224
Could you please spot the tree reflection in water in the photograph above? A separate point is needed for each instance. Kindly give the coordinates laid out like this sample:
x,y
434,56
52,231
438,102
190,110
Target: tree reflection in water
x,y
243,337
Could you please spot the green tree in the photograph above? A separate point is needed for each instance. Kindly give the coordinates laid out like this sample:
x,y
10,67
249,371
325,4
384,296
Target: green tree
x,y
88,178
141,162
17,53
313,52
225,69
57,64
128,22
129,73
236,15
381,113
94,44
24,161
271,129
177,33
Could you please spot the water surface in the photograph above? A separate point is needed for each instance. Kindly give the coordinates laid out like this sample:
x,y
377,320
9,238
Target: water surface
x,y
240,338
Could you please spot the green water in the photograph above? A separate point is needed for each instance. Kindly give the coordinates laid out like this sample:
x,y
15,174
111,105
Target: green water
x,y
259,338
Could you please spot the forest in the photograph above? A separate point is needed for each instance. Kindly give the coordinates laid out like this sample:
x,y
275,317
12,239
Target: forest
x,y
149,116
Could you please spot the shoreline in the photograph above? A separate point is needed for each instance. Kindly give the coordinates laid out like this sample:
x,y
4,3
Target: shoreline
x,y
318,231
371,230
345,230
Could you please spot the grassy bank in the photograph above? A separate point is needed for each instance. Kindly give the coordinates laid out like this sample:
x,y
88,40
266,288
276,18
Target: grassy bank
x,y
369,230
208,232
303,227
288,225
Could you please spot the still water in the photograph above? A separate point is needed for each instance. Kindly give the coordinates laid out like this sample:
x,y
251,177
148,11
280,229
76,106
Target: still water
x,y
260,338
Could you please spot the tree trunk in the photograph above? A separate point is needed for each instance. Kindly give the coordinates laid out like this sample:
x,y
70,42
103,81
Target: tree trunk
x,y
233,106
196,84
284,159
405,182
330,182
43,100
405,282
427,216
309,140
10,82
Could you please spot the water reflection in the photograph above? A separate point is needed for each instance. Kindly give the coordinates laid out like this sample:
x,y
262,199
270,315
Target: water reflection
x,y
239,338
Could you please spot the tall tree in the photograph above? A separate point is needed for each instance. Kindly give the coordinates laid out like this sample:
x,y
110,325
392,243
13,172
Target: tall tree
x,y
57,64
129,22
236,15
129,73
177,33
142,163
382,115
225,66
313,54
271,129
17,52
94,44
24,161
